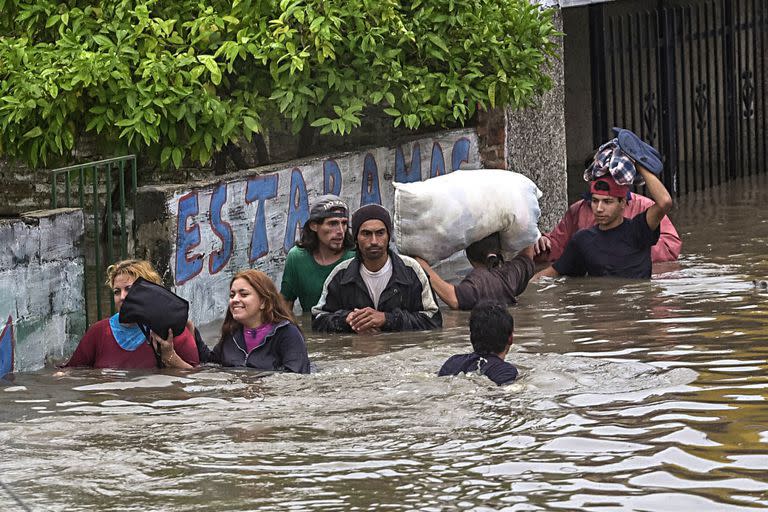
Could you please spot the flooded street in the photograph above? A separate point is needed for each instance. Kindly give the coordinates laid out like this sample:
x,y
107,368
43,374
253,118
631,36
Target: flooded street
x,y
634,395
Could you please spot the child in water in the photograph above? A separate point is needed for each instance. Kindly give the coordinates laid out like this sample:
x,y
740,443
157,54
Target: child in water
x,y
490,331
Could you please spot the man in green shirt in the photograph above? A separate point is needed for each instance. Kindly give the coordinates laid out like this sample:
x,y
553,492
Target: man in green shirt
x,y
324,243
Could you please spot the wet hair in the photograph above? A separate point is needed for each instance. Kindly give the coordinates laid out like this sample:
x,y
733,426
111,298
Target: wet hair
x,y
490,326
275,310
310,242
134,269
486,251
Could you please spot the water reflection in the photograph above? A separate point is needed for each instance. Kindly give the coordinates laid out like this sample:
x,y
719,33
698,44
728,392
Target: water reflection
x,y
635,396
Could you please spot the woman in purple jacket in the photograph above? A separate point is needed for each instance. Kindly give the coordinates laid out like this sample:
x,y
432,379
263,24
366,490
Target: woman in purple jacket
x,y
259,331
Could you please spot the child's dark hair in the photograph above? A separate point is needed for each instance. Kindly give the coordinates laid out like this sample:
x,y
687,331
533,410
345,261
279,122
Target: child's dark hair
x,y
490,326
486,251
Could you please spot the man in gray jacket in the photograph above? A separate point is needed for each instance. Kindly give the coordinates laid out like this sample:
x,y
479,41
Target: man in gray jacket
x,y
377,290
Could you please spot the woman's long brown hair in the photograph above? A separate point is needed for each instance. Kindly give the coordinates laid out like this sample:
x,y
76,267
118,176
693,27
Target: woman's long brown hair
x,y
274,311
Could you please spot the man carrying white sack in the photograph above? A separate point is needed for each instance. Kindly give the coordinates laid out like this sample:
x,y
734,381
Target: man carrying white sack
x,y
491,278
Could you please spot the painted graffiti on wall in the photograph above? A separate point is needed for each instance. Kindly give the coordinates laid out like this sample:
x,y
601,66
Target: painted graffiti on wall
x,y
7,348
252,222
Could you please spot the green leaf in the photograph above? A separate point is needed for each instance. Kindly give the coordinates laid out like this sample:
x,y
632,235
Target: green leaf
x,y
492,94
34,132
251,124
315,25
102,40
176,157
322,121
212,67
438,41
165,154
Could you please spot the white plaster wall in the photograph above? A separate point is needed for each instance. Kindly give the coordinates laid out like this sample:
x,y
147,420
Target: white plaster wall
x,y
208,291
41,285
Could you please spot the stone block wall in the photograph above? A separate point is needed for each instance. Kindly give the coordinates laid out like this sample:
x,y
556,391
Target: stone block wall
x,y
42,306
200,235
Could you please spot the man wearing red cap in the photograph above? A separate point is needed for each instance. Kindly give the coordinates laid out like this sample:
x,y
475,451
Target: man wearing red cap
x,y
615,246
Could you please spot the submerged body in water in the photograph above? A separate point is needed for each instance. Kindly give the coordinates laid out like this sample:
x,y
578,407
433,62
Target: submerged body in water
x,y
633,395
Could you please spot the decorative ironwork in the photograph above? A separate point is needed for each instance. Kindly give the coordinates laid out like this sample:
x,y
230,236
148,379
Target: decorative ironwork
x,y
689,76
649,116
747,95
701,104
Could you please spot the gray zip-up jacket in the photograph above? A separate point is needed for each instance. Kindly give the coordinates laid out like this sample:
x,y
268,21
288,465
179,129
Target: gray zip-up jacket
x,y
407,301
283,350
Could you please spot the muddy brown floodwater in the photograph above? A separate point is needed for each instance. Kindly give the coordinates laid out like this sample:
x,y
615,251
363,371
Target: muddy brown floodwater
x,y
634,396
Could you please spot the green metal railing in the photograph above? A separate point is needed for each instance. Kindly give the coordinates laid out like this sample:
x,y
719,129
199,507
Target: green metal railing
x,y
98,173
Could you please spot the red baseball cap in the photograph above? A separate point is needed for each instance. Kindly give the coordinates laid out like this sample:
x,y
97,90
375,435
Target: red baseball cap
x,y
608,187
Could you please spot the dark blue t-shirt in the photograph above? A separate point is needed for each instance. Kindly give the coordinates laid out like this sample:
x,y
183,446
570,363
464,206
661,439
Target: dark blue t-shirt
x,y
624,251
490,365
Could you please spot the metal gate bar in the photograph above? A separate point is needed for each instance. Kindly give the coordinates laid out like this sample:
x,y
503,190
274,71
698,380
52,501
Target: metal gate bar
x,y
94,170
689,79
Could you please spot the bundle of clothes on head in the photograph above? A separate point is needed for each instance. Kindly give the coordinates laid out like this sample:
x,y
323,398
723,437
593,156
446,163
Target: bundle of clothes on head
x,y
617,157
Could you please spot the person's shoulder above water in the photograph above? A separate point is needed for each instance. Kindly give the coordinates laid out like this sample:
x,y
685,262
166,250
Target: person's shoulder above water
x,y
490,365
297,252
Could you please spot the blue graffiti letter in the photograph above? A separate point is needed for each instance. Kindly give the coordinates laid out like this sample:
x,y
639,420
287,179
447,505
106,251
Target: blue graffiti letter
x,y
437,165
219,259
298,208
369,193
6,348
408,173
260,189
187,265
331,178
460,153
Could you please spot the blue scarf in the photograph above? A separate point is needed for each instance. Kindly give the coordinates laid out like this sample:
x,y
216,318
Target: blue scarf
x,y
129,337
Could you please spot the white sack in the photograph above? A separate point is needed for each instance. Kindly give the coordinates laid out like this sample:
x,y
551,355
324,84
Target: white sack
x,y
440,216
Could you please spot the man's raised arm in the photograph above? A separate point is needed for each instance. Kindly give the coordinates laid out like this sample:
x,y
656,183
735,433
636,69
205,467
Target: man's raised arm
x,y
662,200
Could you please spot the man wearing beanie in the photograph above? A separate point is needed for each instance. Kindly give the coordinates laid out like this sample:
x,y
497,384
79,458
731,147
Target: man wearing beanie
x,y
377,290
615,246
325,242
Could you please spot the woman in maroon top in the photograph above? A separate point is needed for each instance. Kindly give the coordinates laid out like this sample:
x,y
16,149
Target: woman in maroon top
x,y
110,344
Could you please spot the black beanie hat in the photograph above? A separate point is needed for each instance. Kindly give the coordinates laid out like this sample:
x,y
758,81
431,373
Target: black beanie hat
x,y
371,212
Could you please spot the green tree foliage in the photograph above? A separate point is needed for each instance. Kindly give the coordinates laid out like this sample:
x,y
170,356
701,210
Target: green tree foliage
x,y
180,79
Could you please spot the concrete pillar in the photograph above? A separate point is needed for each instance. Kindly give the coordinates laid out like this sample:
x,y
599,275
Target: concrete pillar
x,y
535,143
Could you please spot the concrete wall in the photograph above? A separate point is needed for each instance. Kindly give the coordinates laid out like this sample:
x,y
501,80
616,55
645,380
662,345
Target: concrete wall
x,y
200,236
42,309
535,144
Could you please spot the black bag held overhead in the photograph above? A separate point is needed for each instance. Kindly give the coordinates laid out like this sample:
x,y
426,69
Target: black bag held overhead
x,y
151,306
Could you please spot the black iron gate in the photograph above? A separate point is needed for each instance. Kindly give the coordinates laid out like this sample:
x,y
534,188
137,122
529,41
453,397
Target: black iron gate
x,y
689,78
